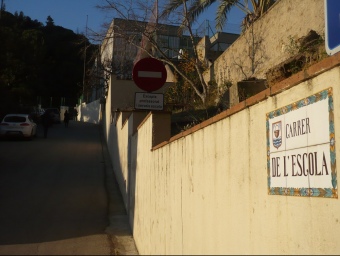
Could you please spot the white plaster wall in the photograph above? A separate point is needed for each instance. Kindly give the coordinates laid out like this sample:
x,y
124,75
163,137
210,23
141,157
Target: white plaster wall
x,y
108,118
143,209
120,155
115,134
206,193
123,93
90,112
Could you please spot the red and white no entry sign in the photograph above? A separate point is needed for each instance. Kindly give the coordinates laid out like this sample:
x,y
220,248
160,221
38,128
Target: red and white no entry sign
x,y
149,74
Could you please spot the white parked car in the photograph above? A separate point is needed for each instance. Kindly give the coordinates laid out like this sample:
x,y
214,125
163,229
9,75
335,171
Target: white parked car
x,y
18,125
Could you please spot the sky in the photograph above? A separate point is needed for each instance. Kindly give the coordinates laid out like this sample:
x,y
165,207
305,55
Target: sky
x,y
75,14
70,14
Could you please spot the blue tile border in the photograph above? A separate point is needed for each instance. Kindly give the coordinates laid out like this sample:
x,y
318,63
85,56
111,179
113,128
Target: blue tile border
x,y
306,192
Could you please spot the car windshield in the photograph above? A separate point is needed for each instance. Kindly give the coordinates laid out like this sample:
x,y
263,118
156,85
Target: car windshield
x,y
15,119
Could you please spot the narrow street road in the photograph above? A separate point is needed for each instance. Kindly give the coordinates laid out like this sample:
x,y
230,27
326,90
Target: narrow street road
x,y
58,195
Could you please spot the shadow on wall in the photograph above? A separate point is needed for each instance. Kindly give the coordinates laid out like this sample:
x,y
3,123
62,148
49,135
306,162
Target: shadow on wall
x,y
122,142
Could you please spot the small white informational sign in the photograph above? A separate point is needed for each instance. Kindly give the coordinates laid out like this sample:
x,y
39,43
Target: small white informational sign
x,y
149,101
301,158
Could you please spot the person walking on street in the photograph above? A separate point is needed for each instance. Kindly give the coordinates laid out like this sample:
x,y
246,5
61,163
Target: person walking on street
x,y
46,120
75,114
66,118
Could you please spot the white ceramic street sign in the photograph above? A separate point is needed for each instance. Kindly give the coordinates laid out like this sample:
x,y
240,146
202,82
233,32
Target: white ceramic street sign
x,y
301,148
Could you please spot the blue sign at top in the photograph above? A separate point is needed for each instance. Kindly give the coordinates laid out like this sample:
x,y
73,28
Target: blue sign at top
x,y
332,26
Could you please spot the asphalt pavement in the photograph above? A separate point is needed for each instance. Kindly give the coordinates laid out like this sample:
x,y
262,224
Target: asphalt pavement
x,y
59,196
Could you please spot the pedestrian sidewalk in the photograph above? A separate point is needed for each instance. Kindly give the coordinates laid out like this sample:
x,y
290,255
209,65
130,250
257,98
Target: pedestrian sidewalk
x,y
119,228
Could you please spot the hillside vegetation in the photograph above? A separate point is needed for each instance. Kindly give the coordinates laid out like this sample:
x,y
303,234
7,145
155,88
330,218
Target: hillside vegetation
x,y
40,64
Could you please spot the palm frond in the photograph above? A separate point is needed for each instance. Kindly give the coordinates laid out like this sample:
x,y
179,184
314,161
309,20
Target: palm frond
x,y
199,6
172,6
222,12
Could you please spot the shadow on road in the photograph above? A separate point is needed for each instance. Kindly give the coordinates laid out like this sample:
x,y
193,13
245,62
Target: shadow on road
x,y
53,189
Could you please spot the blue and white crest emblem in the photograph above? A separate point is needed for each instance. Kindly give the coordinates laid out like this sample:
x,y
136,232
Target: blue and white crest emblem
x,y
277,134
